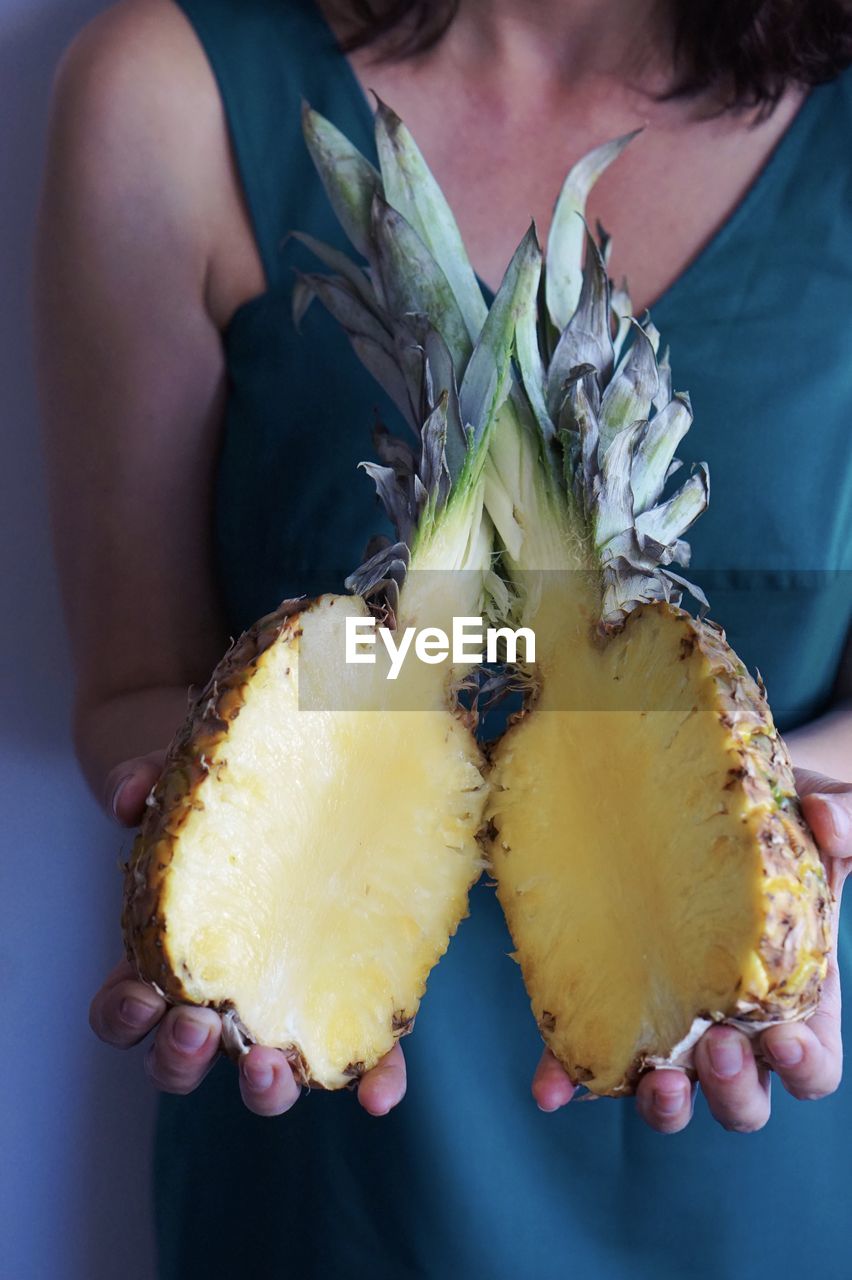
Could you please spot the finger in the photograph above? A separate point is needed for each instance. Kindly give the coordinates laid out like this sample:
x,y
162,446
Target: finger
x,y
184,1049
128,785
664,1100
829,816
737,1090
808,1056
807,1068
827,805
266,1081
383,1088
552,1087
125,1009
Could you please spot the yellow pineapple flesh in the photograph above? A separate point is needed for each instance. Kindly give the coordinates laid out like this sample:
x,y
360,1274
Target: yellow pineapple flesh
x,y
302,868
649,853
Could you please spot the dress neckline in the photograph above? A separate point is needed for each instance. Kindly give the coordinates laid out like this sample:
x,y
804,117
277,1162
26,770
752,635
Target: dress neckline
x,y
762,184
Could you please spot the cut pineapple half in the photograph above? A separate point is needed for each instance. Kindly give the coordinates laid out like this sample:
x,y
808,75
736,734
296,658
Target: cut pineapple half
x,y
308,851
302,870
649,856
648,846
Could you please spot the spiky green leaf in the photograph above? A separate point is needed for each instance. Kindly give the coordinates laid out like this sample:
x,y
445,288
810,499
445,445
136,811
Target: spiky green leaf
x,y
630,394
349,179
488,376
564,275
411,188
653,462
412,281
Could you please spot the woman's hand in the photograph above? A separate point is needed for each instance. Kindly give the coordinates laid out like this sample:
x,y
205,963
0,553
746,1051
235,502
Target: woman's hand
x,y
187,1040
734,1072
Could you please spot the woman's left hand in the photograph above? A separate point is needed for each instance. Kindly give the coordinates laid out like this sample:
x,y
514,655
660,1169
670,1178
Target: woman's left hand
x,y
806,1056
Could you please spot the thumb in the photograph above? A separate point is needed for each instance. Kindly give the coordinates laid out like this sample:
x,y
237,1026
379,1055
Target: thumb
x,y
827,806
127,786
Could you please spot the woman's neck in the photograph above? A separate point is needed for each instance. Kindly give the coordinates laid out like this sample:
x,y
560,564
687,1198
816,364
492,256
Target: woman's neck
x,y
628,40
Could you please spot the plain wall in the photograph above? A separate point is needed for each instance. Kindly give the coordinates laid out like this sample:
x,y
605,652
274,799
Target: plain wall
x,y
76,1116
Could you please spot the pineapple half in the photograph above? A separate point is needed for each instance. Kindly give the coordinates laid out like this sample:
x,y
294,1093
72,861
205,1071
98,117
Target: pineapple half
x,y
308,851
644,831
647,843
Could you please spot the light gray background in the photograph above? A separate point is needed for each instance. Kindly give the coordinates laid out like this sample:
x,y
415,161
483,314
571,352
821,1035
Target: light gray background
x,y
76,1116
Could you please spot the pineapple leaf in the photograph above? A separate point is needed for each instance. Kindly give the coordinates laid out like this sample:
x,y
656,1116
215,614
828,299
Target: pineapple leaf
x,y
488,376
393,452
385,369
441,378
630,394
396,497
411,188
654,458
369,338
433,472
615,509
387,565
412,281
664,524
347,308
349,179
343,265
664,373
564,274
622,310
581,411
683,584
303,295
527,349
587,338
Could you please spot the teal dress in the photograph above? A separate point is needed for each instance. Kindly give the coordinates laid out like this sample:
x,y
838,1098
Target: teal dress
x,y
467,1178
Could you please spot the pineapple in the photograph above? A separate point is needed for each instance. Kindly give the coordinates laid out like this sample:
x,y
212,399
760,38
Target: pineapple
x,y
648,847
644,832
308,851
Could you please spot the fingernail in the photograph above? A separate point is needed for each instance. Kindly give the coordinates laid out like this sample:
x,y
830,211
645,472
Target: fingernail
x,y
137,1013
838,817
190,1033
787,1053
726,1056
258,1075
667,1102
116,795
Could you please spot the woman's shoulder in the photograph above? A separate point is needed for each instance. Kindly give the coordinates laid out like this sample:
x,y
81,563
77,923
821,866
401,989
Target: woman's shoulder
x,y
135,66
138,144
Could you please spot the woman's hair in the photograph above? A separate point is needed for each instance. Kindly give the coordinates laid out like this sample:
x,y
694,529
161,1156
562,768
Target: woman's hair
x,y
746,51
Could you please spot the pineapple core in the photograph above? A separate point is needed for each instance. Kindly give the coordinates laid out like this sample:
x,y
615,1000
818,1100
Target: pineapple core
x,y
324,863
631,861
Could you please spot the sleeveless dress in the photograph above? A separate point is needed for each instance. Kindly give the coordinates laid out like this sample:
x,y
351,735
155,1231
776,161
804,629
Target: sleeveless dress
x,y
467,1178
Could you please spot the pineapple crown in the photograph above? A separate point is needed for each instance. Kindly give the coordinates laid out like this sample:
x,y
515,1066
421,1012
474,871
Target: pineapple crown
x,y
416,317
592,393
605,410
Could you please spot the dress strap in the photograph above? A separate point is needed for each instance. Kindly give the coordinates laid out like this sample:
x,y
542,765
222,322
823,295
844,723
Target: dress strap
x,y
267,56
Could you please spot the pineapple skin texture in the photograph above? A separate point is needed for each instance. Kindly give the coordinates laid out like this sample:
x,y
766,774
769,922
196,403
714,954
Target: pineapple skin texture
x,y
170,805
785,960
191,760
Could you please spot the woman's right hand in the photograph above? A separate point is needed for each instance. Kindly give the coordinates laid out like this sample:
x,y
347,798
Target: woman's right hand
x,y
187,1039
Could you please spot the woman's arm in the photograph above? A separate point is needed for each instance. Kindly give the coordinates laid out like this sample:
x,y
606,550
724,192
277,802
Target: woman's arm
x,y
132,376
131,372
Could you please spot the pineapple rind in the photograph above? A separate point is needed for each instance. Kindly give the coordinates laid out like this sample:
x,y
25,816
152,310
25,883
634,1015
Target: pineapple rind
x,y
172,800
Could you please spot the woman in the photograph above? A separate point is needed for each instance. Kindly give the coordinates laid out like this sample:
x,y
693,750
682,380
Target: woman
x,y
203,467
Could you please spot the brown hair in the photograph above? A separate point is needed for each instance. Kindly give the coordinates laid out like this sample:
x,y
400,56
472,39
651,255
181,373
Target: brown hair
x,y
748,51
